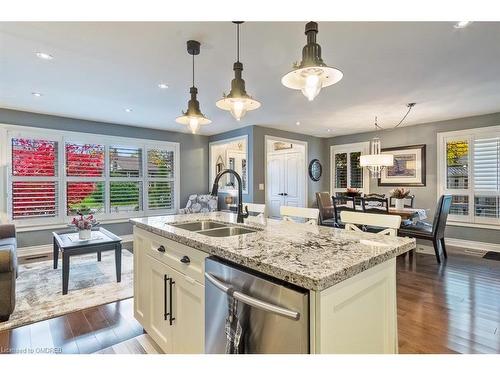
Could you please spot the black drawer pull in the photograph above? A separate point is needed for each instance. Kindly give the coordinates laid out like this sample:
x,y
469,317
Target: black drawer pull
x,y
161,249
185,259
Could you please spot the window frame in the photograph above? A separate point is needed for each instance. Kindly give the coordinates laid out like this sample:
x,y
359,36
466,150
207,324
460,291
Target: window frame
x,y
348,148
469,135
7,132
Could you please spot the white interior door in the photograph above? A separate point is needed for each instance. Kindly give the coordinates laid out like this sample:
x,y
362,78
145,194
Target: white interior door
x,y
275,183
293,192
285,181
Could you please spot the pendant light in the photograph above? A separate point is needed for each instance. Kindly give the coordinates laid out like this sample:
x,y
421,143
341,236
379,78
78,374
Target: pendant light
x,y
193,117
376,161
238,102
312,74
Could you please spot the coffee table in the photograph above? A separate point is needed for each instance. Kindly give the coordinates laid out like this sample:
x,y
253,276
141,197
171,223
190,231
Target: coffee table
x,y
69,244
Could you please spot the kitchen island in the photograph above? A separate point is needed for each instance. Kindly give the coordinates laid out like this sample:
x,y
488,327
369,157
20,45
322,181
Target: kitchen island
x,y
350,276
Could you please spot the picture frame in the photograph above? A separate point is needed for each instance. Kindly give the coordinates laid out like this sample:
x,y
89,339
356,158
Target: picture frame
x,y
409,167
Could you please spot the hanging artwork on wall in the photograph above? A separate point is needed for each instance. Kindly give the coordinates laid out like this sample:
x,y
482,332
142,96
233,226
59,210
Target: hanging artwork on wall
x,y
408,168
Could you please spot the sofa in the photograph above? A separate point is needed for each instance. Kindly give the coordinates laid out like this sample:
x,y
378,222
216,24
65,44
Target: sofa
x,y
199,203
8,270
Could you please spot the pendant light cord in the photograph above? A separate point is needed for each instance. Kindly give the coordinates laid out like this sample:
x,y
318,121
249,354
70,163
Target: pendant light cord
x,y
238,42
410,107
193,70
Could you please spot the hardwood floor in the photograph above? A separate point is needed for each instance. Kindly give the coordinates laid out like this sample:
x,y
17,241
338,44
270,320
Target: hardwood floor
x,y
448,308
85,331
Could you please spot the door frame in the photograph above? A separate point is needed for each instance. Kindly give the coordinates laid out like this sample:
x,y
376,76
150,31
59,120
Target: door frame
x,y
243,137
306,153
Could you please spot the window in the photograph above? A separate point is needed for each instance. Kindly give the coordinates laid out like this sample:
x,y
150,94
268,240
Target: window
x,y
34,188
346,170
469,170
51,178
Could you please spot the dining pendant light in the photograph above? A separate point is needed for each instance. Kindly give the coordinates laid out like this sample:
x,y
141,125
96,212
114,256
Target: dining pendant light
x,y
375,161
238,102
193,117
312,74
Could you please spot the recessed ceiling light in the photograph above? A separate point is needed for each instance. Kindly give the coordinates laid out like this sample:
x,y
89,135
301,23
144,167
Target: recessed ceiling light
x,y
128,110
37,94
297,123
44,56
328,130
462,24
163,86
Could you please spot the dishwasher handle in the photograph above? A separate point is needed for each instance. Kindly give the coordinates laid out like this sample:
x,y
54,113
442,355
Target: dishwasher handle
x,y
254,302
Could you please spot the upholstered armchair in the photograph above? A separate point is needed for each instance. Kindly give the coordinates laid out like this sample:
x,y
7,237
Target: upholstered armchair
x,y
200,203
8,270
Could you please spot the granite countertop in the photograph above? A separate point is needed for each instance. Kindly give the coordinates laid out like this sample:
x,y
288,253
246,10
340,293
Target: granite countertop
x,y
313,257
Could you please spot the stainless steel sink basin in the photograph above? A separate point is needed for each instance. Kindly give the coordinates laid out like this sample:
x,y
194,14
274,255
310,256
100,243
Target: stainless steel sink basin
x,y
196,226
226,232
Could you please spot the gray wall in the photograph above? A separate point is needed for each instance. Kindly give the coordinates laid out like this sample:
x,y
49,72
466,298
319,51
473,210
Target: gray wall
x,y
193,156
427,134
256,155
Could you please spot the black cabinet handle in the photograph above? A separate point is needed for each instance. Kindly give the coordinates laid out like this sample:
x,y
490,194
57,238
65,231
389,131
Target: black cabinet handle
x,y
185,259
285,194
161,249
165,313
170,313
280,194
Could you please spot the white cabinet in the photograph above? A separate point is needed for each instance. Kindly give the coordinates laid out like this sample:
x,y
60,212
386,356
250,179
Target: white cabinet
x,y
169,293
141,277
188,309
159,327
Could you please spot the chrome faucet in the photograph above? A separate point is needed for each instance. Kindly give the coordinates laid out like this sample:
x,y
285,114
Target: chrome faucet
x,y
215,188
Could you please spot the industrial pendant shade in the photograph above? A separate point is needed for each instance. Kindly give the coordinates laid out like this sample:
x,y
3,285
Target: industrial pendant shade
x,y
193,117
312,74
238,102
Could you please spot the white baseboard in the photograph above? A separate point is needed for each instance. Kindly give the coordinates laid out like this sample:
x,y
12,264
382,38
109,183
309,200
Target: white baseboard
x,y
29,251
465,246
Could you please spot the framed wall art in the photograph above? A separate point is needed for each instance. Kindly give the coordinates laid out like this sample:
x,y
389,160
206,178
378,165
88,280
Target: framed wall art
x,y
408,168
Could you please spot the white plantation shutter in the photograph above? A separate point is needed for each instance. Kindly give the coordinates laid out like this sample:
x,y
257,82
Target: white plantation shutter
x,y
34,190
53,175
125,161
485,167
125,196
34,199
160,179
471,174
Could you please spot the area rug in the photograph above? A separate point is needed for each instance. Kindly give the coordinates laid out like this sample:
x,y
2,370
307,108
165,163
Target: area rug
x,y
91,283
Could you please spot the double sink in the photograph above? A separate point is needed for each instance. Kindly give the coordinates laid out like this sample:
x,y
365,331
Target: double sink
x,y
214,229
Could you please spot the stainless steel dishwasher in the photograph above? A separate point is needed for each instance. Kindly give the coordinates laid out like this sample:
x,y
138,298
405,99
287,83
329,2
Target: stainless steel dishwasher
x,y
273,315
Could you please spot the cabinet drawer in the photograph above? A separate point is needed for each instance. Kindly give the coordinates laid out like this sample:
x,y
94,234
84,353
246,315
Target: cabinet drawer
x,y
186,260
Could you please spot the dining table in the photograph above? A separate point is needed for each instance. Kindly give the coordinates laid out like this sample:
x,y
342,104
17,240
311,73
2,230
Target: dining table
x,y
407,213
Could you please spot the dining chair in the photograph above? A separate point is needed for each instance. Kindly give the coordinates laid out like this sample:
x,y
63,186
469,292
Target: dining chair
x,y
433,232
326,209
310,215
409,201
357,198
256,208
386,224
342,203
374,195
375,205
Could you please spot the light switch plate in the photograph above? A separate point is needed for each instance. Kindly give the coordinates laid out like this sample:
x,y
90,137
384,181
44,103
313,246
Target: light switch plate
x,y
261,186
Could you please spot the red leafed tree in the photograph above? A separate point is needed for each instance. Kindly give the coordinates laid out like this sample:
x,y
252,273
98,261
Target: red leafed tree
x,y
37,158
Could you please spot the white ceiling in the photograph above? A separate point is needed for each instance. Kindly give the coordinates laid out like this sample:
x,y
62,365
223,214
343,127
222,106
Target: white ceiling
x,y
99,69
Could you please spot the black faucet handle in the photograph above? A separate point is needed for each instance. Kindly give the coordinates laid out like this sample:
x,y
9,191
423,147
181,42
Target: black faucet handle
x,y
246,214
